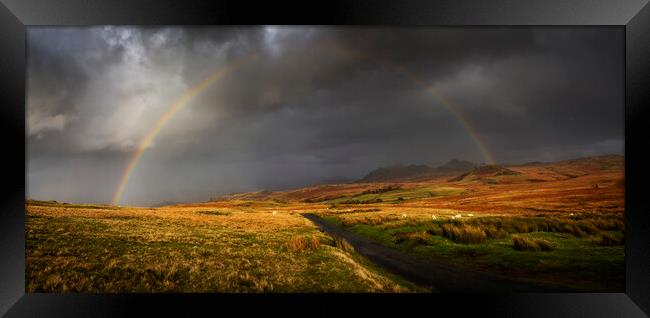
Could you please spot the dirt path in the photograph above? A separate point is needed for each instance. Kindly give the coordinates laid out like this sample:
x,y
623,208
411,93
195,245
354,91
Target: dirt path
x,y
425,272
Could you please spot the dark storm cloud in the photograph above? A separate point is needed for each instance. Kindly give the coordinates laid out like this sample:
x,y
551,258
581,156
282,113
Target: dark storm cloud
x,y
311,103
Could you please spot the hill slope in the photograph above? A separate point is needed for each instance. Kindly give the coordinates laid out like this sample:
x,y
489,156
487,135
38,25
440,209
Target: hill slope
x,y
423,181
416,172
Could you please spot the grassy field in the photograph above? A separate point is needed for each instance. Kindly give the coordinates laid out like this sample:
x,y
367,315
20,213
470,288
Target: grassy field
x,y
86,248
584,252
561,224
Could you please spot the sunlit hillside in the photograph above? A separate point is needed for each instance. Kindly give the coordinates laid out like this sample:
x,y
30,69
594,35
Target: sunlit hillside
x,y
557,226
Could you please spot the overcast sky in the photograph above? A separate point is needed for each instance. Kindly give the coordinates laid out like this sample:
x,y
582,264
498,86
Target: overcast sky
x,y
309,105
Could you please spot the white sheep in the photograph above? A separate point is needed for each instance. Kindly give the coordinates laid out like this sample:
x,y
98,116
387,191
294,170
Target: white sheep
x,y
457,216
433,216
470,214
403,215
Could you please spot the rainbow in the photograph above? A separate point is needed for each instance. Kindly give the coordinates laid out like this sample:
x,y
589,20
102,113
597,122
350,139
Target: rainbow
x,y
476,137
185,99
179,104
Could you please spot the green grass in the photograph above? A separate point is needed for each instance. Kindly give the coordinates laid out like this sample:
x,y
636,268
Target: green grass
x,y
563,255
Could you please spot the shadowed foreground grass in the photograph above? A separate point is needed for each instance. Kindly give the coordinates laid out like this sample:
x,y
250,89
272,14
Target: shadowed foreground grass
x,y
75,248
582,251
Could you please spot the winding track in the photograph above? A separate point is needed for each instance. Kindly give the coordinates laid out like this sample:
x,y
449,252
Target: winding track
x,y
440,278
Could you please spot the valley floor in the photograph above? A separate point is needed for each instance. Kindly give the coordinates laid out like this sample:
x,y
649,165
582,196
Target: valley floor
x,y
557,227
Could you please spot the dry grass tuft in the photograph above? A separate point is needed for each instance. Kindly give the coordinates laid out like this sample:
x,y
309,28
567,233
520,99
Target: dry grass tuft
x,y
606,239
466,234
524,244
610,224
416,238
314,244
299,243
342,244
494,233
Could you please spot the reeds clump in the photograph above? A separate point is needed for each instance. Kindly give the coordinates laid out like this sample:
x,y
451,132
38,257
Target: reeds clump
x,y
415,238
465,234
606,239
495,233
369,220
524,244
610,224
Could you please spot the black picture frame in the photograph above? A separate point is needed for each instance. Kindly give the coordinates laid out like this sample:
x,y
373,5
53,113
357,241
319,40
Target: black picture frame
x,y
16,15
